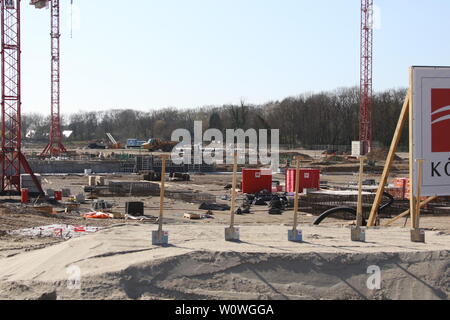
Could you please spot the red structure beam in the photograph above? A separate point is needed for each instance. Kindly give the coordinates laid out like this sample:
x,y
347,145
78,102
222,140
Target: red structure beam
x,y
366,89
11,158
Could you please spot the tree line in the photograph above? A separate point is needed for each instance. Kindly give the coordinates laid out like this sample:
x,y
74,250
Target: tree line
x,y
308,120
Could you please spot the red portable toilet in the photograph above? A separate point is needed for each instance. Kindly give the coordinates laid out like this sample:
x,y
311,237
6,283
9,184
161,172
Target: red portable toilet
x,y
58,195
25,193
309,179
256,180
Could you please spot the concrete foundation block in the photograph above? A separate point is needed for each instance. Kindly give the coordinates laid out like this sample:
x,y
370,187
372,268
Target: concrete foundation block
x,y
418,235
295,235
160,238
232,234
358,234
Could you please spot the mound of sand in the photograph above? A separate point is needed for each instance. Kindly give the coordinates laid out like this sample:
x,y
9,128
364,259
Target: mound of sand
x,y
380,155
302,156
120,263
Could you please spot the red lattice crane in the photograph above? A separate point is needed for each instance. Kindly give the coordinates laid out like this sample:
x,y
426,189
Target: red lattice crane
x,y
366,90
55,146
12,160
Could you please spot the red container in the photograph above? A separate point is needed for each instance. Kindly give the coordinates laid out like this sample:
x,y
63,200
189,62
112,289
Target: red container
x,y
25,193
256,180
309,179
58,195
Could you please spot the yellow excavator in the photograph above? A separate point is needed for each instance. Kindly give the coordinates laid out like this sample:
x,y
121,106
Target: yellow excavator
x,y
159,145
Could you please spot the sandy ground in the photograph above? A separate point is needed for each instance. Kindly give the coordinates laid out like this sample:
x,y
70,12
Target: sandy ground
x,y
121,263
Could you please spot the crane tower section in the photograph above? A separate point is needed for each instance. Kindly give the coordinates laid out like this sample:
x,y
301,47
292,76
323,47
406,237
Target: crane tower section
x,y
366,89
55,146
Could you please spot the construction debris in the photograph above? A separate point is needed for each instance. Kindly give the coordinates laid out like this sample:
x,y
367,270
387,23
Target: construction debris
x,y
135,209
192,216
55,231
131,188
214,207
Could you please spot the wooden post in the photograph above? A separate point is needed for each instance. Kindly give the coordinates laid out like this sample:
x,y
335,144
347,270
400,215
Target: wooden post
x,y
297,187
233,190
416,224
412,183
389,161
407,212
162,191
359,212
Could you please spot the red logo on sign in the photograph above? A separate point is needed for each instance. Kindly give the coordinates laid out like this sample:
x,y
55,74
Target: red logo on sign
x,y
440,120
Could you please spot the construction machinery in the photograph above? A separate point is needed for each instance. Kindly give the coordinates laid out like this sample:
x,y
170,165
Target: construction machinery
x,y
114,144
159,145
96,145
134,144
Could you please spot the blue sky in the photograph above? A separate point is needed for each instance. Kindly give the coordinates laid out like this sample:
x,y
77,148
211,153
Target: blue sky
x,y
151,54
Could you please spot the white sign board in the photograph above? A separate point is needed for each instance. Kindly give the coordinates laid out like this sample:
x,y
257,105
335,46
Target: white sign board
x,y
431,128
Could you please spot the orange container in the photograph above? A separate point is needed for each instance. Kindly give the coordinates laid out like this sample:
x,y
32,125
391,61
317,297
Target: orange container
x,y
25,193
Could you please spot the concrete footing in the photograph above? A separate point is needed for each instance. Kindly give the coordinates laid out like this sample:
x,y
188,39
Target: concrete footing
x,y
160,238
232,234
418,235
358,234
295,235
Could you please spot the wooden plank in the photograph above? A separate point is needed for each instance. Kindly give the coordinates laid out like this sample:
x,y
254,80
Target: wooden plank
x,y
419,192
412,198
359,212
192,216
162,192
407,212
297,187
233,190
389,161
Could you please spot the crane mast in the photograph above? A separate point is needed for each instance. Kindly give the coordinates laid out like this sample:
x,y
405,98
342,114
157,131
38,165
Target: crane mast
x,y
55,146
366,89
12,160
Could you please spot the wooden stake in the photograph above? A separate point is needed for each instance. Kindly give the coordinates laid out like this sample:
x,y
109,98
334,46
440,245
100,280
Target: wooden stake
x,y
412,183
233,192
407,212
389,161
297,187
416,224
359,212
162,191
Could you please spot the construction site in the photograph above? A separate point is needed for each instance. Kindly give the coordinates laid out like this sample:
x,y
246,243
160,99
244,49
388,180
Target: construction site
x,y
121,219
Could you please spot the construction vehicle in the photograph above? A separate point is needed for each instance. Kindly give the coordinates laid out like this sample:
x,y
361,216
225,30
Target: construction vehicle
x,y
159,145
134,144
96,145
114,144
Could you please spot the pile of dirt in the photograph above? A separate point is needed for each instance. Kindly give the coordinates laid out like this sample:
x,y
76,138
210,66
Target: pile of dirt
x,y
119,263
381,155
293,154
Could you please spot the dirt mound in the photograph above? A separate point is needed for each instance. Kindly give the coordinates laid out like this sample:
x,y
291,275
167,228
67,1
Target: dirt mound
x,y
259,276
303,157
380,155
119,263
